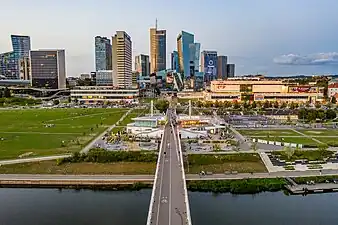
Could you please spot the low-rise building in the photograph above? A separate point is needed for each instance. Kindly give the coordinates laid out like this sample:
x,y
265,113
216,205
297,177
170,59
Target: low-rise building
x,y
332,89
256,89
103,94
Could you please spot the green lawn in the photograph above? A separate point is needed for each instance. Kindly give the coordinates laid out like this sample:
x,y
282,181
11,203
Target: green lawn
x,y
279,135
329,141
24,131
320,132
261,132
51,167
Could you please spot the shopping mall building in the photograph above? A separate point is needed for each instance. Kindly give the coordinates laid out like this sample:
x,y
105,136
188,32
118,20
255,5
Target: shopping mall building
x,y
255,89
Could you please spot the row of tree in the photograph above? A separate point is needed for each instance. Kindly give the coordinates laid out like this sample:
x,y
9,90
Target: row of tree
x,y
98,155
311,115
253,105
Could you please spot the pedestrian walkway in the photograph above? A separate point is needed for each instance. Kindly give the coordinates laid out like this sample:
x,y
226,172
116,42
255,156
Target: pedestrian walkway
x,y
312,138
92,143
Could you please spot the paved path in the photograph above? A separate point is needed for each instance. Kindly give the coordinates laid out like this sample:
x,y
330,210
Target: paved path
x,y
35,159
93,142
244,144
310,137
151,177
168,204
87,115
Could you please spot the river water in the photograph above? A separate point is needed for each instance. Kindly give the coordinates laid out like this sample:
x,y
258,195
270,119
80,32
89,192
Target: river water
x,y
71,207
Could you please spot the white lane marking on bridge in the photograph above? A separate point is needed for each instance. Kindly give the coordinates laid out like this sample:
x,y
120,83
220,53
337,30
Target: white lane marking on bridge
x,y
170,185
160,190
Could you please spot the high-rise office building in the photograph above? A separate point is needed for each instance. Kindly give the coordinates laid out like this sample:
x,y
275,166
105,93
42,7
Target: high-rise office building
x,y
103,54
184,39
8,66
24,68
104,78
21,47
194,58
174,61
158,50
122,60
231,70
10,61
142,65
222,63
209,65
48,69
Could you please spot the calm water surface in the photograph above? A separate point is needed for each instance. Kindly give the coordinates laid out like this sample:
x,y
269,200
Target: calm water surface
x,y
70,207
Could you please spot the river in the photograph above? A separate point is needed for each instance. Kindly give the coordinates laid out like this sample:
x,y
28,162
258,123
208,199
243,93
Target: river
x,y
71,207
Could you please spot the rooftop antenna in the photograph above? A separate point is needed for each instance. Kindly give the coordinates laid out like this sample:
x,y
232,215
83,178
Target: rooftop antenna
x,y
156,24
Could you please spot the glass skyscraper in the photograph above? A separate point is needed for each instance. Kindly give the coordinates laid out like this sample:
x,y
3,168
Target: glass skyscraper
x,y
158,50
103,54
209,62
174,61
9,61
142,65
184,40
8,67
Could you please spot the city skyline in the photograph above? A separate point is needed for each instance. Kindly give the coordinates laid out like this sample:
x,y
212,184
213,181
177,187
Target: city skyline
x,y
294,40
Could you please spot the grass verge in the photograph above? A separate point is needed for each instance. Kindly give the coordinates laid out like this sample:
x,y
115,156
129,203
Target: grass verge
x,y
51,167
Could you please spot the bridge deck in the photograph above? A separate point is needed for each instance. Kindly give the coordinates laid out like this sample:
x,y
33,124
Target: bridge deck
x,y
169,206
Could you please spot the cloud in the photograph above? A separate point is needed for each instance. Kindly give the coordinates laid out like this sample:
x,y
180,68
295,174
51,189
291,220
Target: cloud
x,y
329,58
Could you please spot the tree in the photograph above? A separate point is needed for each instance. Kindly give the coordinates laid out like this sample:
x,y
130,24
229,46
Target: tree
x,y
317,105
283,105
330,114
253,105
289,152
56,102
266,104
7,93
236,105
162,105
302,114
321,114
333,100
254,146
276,104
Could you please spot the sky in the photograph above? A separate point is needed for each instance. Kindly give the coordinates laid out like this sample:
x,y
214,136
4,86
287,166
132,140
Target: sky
x,y
271,37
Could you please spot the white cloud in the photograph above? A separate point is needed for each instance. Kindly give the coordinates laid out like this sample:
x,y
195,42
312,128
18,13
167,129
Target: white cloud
x,y
312,59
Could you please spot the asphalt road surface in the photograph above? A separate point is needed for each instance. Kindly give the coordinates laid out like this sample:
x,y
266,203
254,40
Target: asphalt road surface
x,y
169,207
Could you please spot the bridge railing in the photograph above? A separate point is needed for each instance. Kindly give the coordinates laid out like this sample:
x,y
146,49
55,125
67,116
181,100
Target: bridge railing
x,y
150,212
186,199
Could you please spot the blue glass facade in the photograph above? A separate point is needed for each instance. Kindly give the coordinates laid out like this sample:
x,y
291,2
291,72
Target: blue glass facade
x,y
103,54
8,67
209,65
184,40
197,56
174,61
162,50
21,47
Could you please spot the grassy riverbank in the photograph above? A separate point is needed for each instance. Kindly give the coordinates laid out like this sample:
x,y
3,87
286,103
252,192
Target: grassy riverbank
x,y
242,163
245,186
51,167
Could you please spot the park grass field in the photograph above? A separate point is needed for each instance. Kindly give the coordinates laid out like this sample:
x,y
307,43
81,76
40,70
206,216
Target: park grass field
x,y
51,167
25,131
283,135
331,141
320,132
266,132
327,136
